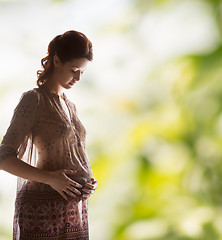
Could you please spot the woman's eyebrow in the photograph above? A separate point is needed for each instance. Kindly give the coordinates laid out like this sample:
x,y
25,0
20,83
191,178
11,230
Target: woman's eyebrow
x,y
78,67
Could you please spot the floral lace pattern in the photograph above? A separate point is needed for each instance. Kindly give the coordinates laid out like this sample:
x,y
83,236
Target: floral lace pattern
x,y
41,134
55,218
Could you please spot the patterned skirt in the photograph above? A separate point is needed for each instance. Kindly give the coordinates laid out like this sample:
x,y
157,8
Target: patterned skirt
x,y
46,215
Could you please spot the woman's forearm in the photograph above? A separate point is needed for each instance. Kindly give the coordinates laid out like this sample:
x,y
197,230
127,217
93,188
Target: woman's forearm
x,y
19,168
58,180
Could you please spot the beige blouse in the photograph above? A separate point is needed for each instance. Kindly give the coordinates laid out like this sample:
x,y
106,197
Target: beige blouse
x,y
41,134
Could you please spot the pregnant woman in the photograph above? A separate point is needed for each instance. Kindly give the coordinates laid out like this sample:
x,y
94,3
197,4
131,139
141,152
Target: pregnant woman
x,y
45,146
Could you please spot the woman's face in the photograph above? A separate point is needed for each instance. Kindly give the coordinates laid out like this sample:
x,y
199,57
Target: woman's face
x,y
68,73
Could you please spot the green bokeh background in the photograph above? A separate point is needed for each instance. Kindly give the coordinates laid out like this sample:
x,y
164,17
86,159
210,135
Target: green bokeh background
x,y
151,102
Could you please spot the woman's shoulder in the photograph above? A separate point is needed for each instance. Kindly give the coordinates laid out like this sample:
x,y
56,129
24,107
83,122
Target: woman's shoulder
x,y
35,93
29,100
30,95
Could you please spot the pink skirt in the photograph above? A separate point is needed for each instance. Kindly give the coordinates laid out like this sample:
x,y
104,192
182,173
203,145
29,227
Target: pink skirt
x,y
46,215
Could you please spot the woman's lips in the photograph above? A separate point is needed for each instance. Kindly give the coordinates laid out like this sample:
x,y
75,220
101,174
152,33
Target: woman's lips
x,y
72,83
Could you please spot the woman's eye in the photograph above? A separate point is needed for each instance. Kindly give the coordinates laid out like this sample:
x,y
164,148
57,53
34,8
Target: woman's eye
x,y
75,71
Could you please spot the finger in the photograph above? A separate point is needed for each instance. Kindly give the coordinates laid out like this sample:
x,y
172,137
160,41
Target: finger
x,y
89,185
86,190
75,184
93,180
85,195
69,171
93,187
63,195
74,190
71,194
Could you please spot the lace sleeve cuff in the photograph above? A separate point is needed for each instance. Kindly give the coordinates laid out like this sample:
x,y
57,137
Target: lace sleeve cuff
x,y
7,151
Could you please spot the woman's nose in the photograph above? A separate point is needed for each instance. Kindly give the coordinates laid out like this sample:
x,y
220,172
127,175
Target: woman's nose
x,y
77,75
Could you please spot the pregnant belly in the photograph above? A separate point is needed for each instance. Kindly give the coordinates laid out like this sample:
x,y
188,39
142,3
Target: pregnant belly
x,y
82,176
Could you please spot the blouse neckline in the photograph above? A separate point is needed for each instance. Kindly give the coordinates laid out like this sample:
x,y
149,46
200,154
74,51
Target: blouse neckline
x,y
42,87
52,94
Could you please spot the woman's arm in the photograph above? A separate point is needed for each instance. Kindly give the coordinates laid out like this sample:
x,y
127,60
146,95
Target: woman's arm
x,y
19,168
58,180
24,118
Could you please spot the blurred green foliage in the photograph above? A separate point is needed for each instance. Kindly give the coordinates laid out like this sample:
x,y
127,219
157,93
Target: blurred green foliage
x,y
175,144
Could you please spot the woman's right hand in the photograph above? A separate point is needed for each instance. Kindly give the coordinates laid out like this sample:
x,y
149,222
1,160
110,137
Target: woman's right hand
x,y
59,181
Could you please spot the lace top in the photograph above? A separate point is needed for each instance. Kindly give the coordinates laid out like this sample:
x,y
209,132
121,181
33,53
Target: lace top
x,y
41,134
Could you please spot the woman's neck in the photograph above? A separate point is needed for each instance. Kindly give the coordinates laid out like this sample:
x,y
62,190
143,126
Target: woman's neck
x,y
53,86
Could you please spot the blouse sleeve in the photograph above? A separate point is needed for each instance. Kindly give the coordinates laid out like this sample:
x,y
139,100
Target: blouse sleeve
x,y
23,119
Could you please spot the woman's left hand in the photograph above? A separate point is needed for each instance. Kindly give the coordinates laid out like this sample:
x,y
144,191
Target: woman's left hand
x,y
89,189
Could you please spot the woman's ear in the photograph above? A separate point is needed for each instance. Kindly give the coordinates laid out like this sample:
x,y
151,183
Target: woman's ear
x,y
56,61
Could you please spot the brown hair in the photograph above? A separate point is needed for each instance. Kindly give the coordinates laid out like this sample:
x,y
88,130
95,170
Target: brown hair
x,y
71,44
